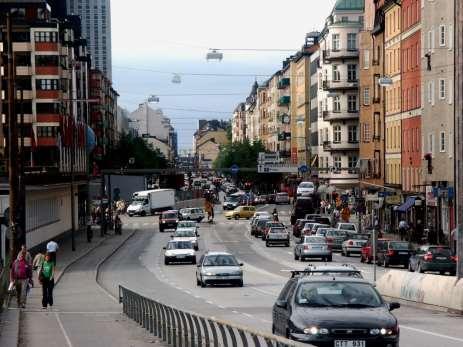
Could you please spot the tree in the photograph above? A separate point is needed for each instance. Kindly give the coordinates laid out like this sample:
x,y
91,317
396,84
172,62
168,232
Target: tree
x,y
146,157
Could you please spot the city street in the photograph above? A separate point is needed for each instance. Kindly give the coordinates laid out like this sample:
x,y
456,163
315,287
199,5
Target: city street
x,y
139,266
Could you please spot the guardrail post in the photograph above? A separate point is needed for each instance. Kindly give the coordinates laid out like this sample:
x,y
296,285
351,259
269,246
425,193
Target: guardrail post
x,y
164,322
224,335
244,338
207,342
232,336
199,335
255,338
159,319
214,333
185,329
179,328
173,327
152,318
192,330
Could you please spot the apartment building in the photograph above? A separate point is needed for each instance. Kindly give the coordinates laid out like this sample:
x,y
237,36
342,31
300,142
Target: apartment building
x,y
372,98
338,95
239,123
207,141
438,68
314,136
263,115
252,115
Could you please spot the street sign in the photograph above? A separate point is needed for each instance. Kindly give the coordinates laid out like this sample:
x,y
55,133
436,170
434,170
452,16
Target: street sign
x,y
234,169
303,168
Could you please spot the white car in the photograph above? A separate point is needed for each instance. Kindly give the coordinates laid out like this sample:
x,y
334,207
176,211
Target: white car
x,y
260,214
351,227
186,234
305,188
193,213
179,251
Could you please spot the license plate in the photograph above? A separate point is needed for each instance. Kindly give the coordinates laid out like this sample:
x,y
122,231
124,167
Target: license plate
x,y
441,258
316,247
181,256
403,253
349,343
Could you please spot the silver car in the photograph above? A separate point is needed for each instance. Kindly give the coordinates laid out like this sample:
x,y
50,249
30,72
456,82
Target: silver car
x,y
277,235
334,237
354,244
219,268
313,247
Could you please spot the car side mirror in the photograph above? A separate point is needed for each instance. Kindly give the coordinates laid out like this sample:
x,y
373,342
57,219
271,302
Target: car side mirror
x,y
281,303
241,264
393,306
164,247
197,235
171,236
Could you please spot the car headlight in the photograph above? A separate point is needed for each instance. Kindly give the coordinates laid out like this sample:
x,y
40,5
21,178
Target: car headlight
x,y
383,331
316,331
208,273
163,221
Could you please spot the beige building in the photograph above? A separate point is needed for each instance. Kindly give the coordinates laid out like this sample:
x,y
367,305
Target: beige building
x,y
239,123
438,62
252,115
263,113
207,141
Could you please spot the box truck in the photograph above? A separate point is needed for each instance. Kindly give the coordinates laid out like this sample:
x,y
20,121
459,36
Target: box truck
x,y
149,201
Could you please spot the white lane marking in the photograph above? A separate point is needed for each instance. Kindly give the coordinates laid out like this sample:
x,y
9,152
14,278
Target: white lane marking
x,y
264,291
431,333
210,302
222,307
248,315
68,340
236,312
290,253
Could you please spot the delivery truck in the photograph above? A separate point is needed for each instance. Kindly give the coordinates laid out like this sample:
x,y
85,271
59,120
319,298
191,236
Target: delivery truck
x,y
151,201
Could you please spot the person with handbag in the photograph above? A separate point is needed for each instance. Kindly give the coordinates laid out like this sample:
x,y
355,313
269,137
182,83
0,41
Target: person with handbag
x,y
21,275
46,278
37,262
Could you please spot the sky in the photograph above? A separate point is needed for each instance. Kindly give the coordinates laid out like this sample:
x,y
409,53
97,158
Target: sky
x,y
152,39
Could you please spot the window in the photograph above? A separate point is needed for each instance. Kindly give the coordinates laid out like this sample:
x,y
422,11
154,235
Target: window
x,y
429,43
431,144
352,134
344,19
442,91
366,59
43,84
442,35
366,96
429,92
337,134
442,143
366,132
337,163
351,42
352,162
377,125
337,104
450,36
46,36
352,72
335,42
47,131
352,103
336,73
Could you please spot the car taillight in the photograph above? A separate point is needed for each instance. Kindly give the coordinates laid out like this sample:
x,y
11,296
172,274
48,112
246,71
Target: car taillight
x,y
454,258
306,247
428,256
329,239
351,243
390,252
329,246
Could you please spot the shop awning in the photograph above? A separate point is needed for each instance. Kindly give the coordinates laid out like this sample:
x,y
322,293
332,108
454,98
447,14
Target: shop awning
x,y
406,205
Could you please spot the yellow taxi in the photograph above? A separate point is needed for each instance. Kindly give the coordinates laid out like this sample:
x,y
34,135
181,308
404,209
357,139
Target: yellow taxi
x,y
241,212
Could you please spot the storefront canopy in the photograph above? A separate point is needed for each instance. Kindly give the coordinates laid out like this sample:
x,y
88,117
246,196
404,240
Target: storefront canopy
x,y
406,205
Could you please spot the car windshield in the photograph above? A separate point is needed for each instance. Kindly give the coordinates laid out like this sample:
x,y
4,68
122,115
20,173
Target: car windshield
x,y
337,294
220,260
231,199
306,185
186,224
277,230
262,222
137,202
442,251
347,226
308,225
179,245
399,245
313,239
275,224
169,216
185,233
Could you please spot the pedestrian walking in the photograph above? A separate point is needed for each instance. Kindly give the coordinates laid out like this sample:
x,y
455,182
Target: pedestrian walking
x,y
21,276
403,228
52,248
47,280
37,262
26,254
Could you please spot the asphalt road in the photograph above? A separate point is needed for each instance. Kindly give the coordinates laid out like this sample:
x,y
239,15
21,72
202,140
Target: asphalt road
x,y
139,265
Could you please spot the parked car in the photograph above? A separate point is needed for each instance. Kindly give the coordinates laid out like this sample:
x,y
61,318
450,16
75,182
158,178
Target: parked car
x,y
282,198
277,235
334,311
298,226
354,244
168,220
305,188
347,226
241,212
268,225
433,258
394,253
193,213
366,255
334,237
219,268
259,228
312,247
187,234
179,252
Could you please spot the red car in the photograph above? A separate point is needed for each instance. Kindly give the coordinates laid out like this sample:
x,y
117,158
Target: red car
x,y
367,250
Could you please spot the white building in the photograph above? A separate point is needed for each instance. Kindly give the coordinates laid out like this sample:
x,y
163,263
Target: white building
x,y
122,121
252,115
338,96
151,122
96,28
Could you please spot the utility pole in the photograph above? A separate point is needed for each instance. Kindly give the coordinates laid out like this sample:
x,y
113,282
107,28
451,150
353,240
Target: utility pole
x,y
22,182
12,143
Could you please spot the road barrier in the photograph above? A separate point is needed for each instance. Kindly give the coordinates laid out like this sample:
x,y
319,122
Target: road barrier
x,y
444,292
183,329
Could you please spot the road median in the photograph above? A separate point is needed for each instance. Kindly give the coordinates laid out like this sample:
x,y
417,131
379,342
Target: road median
x,y
431,291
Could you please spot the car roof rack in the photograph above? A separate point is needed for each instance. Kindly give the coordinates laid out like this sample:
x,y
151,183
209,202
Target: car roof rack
x,y
308,271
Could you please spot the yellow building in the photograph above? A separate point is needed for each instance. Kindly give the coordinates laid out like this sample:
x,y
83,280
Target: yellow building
x,y
263,113
393,146
207,142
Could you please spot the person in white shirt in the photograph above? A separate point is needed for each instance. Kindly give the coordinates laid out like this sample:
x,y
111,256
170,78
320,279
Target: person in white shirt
x,y
52,247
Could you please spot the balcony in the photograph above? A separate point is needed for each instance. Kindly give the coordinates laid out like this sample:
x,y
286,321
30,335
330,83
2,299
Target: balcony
x,y
339,85
339,176
47,94
47,70
48,118
23,71
47,142
340,146
283,83
329,54
27,118
284,100
46,47
330,116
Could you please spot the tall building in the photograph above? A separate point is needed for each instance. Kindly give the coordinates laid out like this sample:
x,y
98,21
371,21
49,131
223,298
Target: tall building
x,y
338,95
96,28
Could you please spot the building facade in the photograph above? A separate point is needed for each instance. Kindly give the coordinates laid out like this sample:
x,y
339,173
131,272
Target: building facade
x,y
96,28
208,139
338,95
239,123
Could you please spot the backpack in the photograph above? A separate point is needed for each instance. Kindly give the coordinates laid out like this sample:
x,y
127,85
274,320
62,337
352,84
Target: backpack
x,y
21,269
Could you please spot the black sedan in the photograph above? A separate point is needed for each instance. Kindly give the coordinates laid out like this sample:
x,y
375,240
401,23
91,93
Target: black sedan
x,y
433,258
339,312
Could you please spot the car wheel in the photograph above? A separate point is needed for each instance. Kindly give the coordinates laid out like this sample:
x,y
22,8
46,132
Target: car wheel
x,y
347,254
442,273
369,260
193,261
452,273
143,214
237,217
330,258
203,284
273,329
196,248
419,268
296,256
410,269
342,252
301,258
161,230
362,260
267,244
240,283
166,262
198,282
287,244
385,263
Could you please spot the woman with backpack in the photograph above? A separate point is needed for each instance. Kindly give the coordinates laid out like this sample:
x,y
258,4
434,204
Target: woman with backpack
x,y
21,276
46,278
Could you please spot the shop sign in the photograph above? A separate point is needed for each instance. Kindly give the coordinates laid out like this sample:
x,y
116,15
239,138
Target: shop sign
x,y
393,200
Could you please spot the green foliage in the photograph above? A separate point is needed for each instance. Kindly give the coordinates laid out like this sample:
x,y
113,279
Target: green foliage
x,y
146,157
244,154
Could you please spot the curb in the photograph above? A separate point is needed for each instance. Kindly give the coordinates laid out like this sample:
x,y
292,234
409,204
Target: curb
x,y
423,306
114,251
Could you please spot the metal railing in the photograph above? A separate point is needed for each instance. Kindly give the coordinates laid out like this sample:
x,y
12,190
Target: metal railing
x,y
184,329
